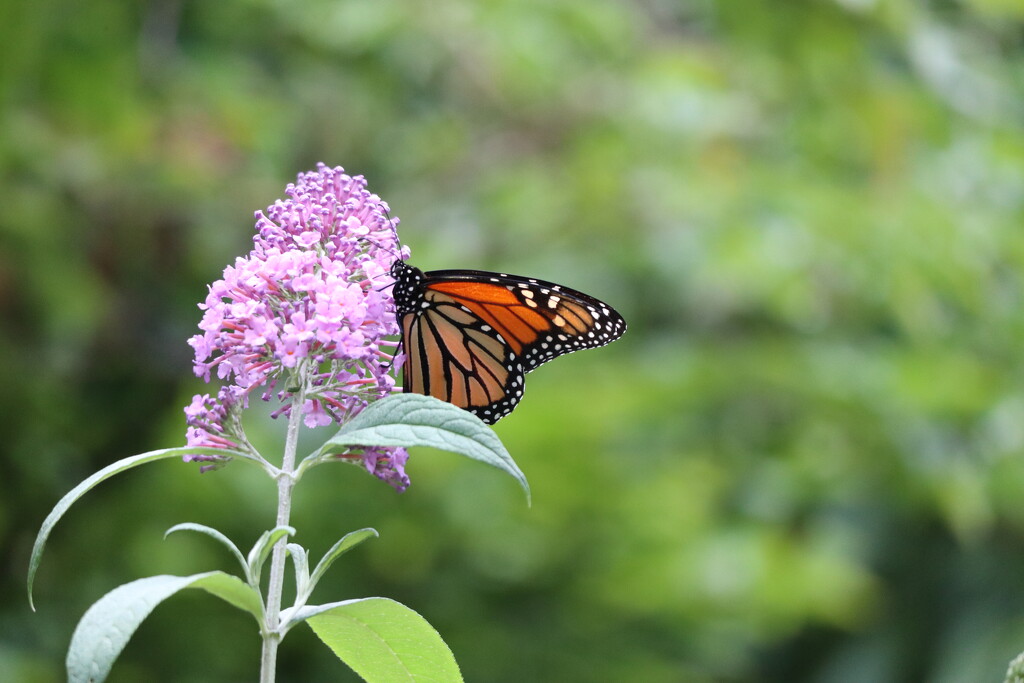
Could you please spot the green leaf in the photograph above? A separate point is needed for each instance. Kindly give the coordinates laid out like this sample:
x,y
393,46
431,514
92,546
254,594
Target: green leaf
x,y
1015,672
415,420
259,553
300,560
110,470
349,541
382,640
107,626
214,534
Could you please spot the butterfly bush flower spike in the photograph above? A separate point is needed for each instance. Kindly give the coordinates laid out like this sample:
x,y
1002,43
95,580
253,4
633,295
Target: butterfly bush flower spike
x,y
307,305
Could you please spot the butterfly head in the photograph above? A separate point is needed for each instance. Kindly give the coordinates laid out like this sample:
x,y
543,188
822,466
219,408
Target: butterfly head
x,y
408,288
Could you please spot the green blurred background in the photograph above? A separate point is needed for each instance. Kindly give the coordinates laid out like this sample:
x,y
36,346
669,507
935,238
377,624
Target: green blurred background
x,y
803,462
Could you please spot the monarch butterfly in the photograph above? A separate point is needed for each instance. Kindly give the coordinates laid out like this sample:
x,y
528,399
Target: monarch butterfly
x,y
470,336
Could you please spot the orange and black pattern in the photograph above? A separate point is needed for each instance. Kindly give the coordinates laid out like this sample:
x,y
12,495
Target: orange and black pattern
x,y
470,336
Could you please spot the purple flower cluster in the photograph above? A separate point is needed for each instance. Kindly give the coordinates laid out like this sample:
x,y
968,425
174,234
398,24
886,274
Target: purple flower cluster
x,y
308,304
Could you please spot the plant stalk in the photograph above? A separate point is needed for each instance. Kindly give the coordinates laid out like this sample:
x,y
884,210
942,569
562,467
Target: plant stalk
x,y
285,483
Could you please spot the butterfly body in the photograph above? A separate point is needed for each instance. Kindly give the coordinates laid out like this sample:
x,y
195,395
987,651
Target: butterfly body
x,y
470,336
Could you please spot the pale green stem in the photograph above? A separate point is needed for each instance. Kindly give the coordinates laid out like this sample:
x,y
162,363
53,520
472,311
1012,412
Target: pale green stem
x,y
285,482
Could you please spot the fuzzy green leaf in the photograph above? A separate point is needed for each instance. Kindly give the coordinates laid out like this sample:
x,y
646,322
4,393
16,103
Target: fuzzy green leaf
x,y
300,560
414,420
107,626
383,641
263,547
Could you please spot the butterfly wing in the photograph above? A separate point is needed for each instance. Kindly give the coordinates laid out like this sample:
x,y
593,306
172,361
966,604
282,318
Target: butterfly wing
x,y
538,320
470,336
453,355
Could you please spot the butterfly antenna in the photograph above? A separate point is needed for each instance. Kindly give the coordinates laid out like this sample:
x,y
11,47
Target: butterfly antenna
x,y
394,229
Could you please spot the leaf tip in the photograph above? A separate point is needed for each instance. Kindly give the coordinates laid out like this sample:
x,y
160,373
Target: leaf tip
x,y
29,584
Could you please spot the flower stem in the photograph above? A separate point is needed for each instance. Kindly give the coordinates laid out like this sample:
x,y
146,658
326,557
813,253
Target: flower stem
x,y
285,483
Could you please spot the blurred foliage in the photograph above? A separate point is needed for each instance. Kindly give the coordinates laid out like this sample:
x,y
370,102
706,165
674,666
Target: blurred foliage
x,y
802,463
